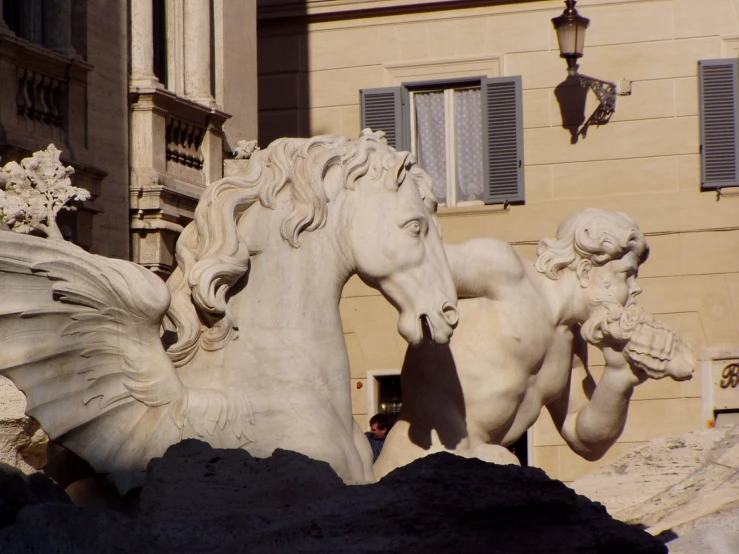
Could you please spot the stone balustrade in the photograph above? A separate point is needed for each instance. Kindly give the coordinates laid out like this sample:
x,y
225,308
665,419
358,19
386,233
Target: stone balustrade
x,y
183,144
41,98
47,103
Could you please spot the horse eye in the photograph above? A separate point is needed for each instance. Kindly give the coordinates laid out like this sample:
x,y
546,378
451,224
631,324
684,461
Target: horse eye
x,y
414,228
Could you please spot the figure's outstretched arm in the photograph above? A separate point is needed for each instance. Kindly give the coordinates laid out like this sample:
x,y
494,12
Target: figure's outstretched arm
x,y
591,417
480,266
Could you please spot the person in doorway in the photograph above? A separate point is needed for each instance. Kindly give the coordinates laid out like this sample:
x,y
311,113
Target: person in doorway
x,y
380,425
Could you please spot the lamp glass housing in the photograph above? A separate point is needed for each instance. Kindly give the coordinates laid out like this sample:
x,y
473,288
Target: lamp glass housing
x,y
571,38
570,27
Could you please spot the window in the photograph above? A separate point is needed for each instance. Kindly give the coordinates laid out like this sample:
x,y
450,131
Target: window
x,y
389,396
384,394
446,136
466,133
719,122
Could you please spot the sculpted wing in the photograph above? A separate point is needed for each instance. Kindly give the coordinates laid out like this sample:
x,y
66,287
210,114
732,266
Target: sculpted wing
x,y
80,336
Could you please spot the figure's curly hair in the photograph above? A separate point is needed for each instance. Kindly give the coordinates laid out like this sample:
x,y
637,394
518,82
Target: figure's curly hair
x,y
212,256
592,234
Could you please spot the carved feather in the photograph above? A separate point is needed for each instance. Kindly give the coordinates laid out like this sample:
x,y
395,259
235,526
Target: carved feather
x,y
80,336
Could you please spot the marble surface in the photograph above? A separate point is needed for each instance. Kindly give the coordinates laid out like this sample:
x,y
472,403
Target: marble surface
x,y
255,355
521,346
684,487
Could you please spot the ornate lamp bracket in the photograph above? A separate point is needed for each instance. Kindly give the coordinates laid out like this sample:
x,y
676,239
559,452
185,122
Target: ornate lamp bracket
x,y
604,90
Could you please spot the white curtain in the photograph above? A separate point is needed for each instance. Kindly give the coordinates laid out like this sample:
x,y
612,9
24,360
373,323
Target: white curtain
x,y
430,148
468,138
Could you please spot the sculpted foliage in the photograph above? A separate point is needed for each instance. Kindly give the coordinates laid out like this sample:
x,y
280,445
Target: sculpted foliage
x,y
33,192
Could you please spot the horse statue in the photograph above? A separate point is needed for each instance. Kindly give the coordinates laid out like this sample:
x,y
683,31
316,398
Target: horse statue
x,y
243,346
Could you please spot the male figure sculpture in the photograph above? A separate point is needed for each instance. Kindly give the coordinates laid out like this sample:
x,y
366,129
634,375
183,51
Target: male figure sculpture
x,y
521,346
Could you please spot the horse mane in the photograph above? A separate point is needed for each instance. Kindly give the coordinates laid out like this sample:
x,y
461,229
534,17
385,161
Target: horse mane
x,y
212,256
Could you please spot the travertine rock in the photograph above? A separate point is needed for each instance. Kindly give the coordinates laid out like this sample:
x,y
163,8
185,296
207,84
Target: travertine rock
x,y
22,442
199,499
680,484
717,533
649,469
12,401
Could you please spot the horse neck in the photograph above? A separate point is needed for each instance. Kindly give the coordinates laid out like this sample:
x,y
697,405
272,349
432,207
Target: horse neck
x,y
293,287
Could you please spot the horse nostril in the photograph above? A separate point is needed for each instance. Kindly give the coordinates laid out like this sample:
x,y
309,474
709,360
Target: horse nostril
x,y
451,315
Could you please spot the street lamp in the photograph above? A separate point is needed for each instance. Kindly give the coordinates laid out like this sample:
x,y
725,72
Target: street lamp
x,y
570,27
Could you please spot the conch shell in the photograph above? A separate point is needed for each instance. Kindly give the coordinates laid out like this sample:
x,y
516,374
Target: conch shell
x,y
657,351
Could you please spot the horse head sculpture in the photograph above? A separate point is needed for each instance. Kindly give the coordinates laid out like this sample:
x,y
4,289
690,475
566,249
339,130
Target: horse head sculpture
x,y
259,360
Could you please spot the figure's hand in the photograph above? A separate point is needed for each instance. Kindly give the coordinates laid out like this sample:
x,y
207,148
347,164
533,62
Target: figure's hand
x,y
621,368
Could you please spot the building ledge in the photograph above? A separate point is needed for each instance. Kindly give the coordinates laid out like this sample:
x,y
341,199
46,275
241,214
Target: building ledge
x,y
346,9
146,98
30,55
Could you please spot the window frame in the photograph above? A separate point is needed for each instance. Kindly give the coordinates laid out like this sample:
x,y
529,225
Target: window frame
x,y
388,108
715,157
447,86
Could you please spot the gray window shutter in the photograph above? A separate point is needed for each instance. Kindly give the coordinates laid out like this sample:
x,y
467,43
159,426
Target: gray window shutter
x,y
502,129
382,111
719,115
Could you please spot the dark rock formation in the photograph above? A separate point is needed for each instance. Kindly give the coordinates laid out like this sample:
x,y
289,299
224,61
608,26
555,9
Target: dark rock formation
x,y
18,490
198,499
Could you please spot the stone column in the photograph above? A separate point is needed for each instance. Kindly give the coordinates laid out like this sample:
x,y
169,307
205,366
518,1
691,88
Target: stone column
x,y
142,44
57,27
31,26
197,51
4,29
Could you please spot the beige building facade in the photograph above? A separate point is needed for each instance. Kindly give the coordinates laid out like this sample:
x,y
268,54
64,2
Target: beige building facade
x,y
316,56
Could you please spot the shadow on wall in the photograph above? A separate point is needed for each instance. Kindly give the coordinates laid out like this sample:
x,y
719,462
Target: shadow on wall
x,y
572,99
283,72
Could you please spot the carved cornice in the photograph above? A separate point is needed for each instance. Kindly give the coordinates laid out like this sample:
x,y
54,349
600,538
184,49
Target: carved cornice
x,y
469,66
166,188
26,54
166,102
326,10
170,199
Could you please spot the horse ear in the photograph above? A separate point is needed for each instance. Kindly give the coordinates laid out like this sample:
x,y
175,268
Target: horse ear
x,y
396,173
584,267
